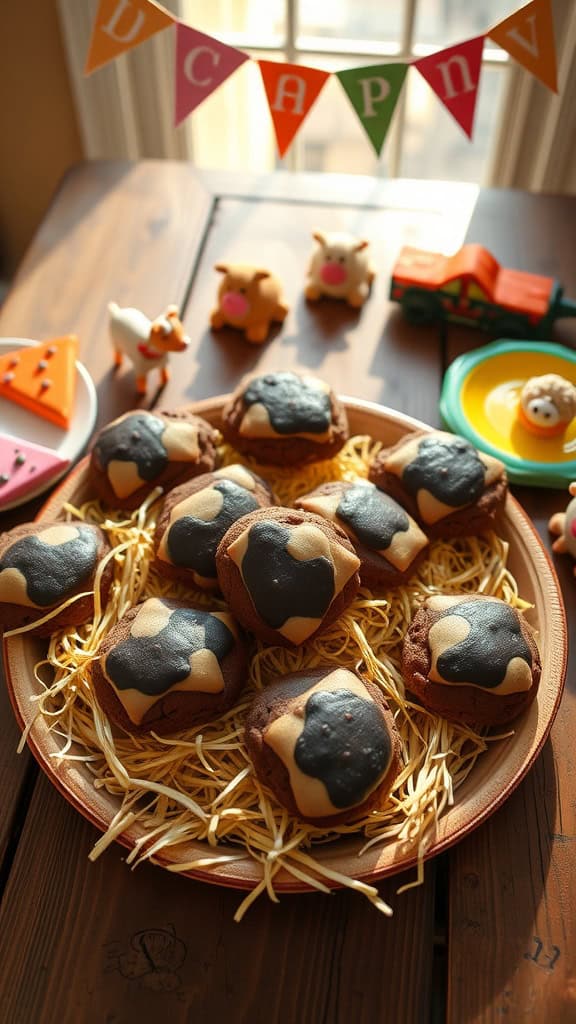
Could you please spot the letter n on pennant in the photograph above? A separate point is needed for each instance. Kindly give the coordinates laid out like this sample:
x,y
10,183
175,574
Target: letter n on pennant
x,y
528,36
454,75
120,25
202,64
373,93
291,90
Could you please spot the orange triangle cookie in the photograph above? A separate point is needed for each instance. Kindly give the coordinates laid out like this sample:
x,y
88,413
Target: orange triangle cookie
x,y
42,378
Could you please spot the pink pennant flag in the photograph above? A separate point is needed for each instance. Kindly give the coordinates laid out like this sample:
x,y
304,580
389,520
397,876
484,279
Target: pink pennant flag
x,y
202,64
454,75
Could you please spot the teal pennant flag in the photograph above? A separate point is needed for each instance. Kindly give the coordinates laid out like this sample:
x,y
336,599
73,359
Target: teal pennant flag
x,y
374,92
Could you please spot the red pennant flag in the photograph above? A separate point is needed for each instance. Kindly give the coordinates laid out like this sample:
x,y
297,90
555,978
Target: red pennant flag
x,y
120,25
528,36
454,75
202,64
291,91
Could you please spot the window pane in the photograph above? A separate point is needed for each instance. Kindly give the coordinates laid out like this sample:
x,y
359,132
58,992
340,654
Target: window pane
x,y
444,22
257,22
434,146
372,21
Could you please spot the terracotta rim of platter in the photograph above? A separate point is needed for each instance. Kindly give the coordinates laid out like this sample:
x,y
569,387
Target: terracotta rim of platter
x,y
495,775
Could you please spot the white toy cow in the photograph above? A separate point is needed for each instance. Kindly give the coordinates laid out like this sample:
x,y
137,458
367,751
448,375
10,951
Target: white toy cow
x,y
563,526
147,343
340,268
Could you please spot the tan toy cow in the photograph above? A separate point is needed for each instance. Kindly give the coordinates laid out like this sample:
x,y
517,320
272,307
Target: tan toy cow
x,y
250,299
340,268
563,526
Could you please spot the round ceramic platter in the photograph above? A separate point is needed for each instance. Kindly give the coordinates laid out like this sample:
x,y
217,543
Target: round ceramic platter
x,y
68,444
480,397
495,775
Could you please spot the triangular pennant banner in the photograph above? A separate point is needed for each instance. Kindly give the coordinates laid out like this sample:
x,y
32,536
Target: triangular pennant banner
x,y
374,92
528,36
454,74
120,25
202,64
291,91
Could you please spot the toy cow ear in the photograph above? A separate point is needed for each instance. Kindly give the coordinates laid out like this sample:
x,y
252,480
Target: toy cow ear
x,y
260,275
319,236
171,311
222,268
361,245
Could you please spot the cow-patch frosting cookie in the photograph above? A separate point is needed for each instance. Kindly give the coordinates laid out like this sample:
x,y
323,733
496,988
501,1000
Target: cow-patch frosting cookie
x,y
471,659
285,419
43,565
195,517
388,541
141,450
166,666
286,574
443,481
324,741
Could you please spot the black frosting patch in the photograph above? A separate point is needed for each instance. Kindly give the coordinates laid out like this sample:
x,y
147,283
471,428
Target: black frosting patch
x,y
449,470
494,639
344,743
153,664
191,542
136,439
293,406
53,572
374,517
280,585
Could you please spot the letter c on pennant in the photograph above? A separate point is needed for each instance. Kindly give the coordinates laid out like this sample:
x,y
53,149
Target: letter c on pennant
x,y
195,54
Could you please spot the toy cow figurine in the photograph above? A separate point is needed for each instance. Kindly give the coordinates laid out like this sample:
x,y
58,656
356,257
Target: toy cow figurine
x,y
547,405
250,299
563,526
340,268
147,343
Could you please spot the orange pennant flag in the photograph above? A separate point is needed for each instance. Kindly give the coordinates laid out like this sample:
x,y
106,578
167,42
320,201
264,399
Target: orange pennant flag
x,y
291,91
120,25
528,36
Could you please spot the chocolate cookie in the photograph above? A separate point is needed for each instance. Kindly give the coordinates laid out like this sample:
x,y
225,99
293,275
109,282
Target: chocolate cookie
x,y
471,659
166,667
286,574
285,419
42,565
452,489
388,542
195,517
142,450
324,741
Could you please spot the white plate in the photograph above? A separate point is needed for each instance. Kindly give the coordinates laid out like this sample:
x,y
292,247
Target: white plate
x,y
68,444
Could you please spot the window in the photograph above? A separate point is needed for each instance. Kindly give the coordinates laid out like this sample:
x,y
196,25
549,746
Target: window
x,y
233,130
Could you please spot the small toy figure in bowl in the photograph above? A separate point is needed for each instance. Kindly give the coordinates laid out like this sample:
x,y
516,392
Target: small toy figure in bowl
x,y
562,525
547,405
340,269
146,343
250,299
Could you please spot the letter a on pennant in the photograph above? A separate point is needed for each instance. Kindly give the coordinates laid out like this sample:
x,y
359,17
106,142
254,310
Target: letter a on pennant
x,y
374,92
202,64
454,75
528,36
120,25
291,91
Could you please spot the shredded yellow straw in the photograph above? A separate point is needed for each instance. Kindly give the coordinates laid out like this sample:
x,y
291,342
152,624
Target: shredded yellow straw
x,y
199,784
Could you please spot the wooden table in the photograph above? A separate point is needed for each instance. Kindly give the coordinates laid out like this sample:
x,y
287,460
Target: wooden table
x,y
488,937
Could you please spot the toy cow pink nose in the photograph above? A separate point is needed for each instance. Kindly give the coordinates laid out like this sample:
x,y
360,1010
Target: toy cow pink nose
x,y
333,273
234,304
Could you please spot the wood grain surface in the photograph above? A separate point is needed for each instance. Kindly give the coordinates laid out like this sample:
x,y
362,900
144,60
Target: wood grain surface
x,y
94,942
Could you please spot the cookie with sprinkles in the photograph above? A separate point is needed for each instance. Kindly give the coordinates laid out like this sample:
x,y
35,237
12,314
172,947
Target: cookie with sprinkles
x,y
142,450
196,515
448,486
166,666
285,419
324,741
43,565
472,659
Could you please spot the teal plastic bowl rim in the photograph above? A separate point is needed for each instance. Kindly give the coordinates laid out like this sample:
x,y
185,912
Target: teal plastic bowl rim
x,y
521,471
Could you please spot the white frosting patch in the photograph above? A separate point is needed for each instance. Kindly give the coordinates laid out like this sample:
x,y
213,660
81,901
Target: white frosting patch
x,y
238,474
124,478
180,440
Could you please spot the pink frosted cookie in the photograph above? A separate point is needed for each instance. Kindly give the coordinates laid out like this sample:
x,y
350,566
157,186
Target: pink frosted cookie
x,y
24,466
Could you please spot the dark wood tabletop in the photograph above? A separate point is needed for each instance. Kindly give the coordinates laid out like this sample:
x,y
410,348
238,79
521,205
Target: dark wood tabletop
x,y
489,935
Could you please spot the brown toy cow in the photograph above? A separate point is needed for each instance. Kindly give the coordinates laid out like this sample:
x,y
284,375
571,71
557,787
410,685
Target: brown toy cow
x,y
249,298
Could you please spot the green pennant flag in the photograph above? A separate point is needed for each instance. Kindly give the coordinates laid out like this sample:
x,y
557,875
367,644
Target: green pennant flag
x,y
373,92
